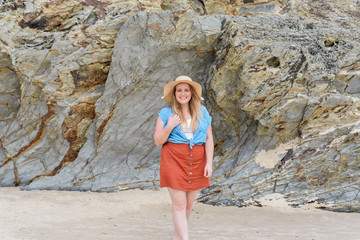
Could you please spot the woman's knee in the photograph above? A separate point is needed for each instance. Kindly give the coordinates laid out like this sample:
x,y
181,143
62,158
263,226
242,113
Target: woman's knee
x,y
189,204
190,199
179,204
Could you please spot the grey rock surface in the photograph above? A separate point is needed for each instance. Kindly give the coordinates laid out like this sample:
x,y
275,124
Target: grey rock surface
x,y
81,87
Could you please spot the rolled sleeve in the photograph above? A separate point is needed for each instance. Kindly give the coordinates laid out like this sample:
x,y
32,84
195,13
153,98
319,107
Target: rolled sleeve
x,y
164,115
206,117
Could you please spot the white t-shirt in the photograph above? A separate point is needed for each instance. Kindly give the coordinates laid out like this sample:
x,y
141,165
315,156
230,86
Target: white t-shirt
x,y
187,129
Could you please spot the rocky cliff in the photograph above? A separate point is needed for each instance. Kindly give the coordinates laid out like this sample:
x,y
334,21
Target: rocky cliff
x,y
81,81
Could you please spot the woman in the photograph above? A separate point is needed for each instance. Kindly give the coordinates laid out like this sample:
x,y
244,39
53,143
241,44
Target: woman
x,y
184,131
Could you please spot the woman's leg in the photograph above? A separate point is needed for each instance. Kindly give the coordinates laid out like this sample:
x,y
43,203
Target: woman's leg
x,y
178,200
181,204
190,199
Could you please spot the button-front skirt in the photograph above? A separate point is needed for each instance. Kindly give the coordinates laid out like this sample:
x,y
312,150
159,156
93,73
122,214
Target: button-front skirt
x,y
182,168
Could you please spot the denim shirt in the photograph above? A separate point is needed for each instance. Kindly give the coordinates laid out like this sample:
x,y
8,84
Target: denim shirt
x,y
178,136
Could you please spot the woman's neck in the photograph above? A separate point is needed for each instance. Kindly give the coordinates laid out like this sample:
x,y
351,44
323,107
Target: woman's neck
x,y
185,110
184,107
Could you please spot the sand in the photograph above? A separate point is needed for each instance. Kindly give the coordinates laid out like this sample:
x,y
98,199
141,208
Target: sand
x,y
137,215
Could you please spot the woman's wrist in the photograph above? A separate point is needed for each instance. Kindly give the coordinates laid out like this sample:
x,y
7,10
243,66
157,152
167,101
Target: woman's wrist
x,y
169,128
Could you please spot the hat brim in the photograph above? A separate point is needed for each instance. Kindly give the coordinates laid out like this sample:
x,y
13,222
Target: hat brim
x,y
169,88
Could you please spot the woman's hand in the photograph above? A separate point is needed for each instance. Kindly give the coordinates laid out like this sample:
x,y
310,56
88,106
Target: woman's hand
x,y
162,133
173,121
208,170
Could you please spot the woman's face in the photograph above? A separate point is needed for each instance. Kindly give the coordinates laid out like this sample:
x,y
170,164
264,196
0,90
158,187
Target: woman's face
x,y
183,93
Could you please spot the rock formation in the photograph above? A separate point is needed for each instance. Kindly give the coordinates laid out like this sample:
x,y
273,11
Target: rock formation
x,y
81,81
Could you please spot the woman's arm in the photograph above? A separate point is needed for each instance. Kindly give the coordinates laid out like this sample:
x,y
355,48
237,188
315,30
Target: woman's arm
x,y
162,133
209,152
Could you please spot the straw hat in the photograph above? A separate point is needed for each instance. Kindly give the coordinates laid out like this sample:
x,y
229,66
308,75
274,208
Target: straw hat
x,y
169,87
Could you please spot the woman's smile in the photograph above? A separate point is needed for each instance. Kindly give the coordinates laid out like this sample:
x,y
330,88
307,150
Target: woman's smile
x,y
182,93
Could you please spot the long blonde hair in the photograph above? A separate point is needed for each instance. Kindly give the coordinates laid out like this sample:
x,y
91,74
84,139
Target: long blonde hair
x,y
194,108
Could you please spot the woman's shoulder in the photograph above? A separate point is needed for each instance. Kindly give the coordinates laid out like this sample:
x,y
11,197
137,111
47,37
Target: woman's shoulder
x,y
165,113
205,113
203,109
166,109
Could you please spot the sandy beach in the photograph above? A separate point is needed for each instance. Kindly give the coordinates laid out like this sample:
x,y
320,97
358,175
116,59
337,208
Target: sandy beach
x,y
136,214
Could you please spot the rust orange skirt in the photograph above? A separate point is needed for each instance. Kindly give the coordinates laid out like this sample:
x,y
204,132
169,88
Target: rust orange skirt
x,y
182,168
